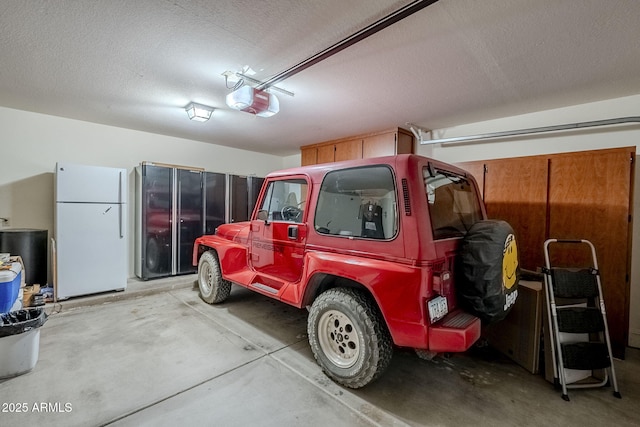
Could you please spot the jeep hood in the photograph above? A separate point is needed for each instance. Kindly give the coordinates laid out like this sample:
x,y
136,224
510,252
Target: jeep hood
x,y
237,232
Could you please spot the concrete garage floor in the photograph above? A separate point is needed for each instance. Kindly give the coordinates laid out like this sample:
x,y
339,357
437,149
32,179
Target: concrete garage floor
x,y
166,358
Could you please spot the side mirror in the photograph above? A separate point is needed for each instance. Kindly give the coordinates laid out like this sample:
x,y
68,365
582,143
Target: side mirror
x,y
263,216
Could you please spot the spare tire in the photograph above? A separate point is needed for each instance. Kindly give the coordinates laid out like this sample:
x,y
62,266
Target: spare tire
x,y
488,274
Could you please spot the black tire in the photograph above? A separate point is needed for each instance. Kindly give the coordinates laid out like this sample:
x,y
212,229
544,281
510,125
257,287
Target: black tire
x,y
348,337
488,275
213,288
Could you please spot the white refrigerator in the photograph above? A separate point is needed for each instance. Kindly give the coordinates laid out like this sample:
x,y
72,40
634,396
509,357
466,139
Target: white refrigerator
x,y
90,229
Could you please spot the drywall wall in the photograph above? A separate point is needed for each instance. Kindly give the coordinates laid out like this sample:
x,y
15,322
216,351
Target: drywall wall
x,y
293,161
559,142
31,144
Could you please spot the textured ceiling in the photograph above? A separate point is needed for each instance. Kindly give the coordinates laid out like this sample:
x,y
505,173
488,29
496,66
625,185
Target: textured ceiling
x,y
136,64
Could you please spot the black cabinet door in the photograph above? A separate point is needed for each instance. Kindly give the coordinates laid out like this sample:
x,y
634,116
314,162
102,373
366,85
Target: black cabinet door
x,y
157,208
254,191
189,217
215,201
239,188
244,194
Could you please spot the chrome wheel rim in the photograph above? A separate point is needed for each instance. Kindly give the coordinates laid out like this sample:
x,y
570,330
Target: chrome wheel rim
x,y
205,278
338,339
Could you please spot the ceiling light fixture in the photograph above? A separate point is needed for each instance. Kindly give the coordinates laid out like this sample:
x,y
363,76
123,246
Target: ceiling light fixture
x,y
254,101
199,112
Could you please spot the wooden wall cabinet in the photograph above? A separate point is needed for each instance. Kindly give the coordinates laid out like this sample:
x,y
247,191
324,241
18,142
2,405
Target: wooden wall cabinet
x,y
385,143
390,143
585,195
347,150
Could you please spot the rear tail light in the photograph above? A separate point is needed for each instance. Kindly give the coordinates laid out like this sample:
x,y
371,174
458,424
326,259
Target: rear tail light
x,y
442,283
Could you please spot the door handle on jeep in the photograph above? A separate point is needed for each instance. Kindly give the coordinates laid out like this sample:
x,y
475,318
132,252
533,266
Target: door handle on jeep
x,y
292,232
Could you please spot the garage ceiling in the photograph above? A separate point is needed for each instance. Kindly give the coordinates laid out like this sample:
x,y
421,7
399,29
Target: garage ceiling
x,y
136,64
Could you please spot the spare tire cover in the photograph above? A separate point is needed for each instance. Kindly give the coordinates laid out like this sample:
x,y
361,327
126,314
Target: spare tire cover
x,y
488,274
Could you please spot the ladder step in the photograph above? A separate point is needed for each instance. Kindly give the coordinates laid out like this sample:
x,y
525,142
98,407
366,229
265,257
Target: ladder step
x,y
580,320
574,283
585,356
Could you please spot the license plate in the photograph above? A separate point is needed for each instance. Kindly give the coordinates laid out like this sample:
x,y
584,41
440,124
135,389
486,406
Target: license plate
x,y
437,308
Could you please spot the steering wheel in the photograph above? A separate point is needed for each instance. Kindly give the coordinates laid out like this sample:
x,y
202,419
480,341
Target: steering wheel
x,y
291,213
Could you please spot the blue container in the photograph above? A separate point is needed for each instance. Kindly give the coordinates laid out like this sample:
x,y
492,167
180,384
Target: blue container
x,y
10,286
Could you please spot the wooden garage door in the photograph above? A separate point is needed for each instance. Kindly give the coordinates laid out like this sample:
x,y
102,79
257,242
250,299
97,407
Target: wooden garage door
x,y
589,198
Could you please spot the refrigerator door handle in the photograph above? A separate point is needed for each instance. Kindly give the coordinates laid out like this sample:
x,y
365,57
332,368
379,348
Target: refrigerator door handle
x,y
120,212
120,220
120,189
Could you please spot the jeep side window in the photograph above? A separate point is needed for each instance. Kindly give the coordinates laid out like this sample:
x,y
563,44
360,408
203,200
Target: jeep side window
x,y
358,202
284,200
453,203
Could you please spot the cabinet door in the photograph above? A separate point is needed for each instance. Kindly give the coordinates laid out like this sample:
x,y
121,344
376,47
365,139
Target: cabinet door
x,y
515,190
215,201
387,144
309,156
325,153
476,169
589,197
157,204
348,150
239,198
189,216
255,184
404,143
379,145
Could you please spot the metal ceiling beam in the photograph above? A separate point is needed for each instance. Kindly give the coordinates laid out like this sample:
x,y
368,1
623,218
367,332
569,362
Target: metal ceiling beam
x,y
377,26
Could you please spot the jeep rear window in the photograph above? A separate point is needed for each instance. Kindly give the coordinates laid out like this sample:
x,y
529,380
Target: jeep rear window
x,y
453,203
358,202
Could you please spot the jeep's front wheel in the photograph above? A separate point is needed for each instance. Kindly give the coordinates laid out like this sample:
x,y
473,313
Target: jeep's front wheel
x,y
213,288
348,337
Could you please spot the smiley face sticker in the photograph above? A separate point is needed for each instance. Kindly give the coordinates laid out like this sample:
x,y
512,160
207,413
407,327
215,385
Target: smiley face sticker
x,y
509,262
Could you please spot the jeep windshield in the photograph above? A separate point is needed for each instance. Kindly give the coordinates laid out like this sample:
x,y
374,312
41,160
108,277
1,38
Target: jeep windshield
x,y
453,203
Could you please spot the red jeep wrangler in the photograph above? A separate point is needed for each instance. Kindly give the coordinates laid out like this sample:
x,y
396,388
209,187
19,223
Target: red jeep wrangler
x,y
385,251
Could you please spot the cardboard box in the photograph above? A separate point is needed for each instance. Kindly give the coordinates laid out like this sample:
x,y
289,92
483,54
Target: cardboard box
x,y
518,336
27,294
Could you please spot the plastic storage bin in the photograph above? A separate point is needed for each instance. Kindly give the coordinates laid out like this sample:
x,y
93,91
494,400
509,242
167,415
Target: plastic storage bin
x,y
9,286
20,341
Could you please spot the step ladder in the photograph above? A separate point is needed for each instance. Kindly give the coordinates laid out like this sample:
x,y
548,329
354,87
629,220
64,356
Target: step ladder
x,y
581,347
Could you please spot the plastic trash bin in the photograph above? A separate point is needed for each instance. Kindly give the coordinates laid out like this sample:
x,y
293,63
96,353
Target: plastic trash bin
x,y
20,341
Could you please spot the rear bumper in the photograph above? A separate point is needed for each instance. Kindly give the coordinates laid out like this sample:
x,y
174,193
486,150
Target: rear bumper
x,y
455,333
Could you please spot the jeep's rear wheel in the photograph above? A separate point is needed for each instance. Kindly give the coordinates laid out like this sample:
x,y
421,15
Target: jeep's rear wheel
x,y
213,288
348,337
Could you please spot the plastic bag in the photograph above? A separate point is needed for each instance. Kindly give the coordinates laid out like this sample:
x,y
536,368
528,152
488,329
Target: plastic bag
x,y
20,321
